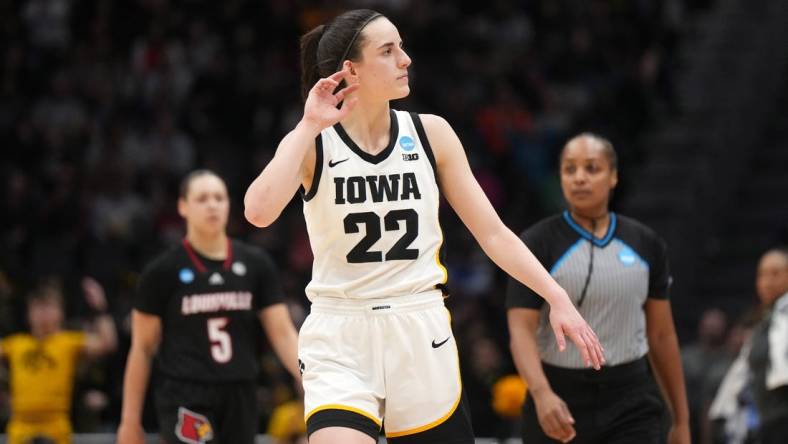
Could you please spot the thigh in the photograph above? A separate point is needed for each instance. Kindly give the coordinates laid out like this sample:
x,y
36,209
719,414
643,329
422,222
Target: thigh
x,y
332,435
237,420
342,379
186,414
423,385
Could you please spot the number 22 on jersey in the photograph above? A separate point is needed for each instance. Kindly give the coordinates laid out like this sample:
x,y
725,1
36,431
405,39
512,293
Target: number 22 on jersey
x,y
399,251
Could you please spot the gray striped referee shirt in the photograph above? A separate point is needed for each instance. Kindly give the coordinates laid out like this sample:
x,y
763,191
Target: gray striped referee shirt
x,y
629,265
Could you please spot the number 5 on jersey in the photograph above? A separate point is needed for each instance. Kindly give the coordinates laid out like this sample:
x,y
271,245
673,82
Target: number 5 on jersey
x,y
221,343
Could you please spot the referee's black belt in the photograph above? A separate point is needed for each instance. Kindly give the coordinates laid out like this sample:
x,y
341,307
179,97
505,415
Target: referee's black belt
x,y
637,370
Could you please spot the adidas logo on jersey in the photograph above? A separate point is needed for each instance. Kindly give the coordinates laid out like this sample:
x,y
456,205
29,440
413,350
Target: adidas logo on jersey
x,y
355,189
216,279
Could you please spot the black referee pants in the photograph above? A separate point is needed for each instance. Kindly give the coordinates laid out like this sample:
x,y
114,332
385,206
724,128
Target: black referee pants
x,y
615,405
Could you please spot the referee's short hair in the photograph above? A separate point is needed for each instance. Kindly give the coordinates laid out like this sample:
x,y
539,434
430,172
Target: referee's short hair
x,y
607,147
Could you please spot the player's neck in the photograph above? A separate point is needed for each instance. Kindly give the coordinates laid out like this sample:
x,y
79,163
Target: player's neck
x,y
211,246
594,221
369,125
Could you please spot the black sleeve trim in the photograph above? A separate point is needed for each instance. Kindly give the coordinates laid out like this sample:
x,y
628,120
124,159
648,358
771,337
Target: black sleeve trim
x,y
425,142
318,170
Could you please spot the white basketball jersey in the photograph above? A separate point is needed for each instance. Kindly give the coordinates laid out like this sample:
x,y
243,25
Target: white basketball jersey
x,y
373,220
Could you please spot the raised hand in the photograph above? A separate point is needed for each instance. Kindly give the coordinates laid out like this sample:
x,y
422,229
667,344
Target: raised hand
x,y
94,294
566,321
321,109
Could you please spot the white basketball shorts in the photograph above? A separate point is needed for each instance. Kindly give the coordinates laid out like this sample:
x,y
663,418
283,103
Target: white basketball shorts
x,y
389,359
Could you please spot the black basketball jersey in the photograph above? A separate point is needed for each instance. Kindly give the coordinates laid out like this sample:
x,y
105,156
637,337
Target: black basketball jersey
x,y
209,310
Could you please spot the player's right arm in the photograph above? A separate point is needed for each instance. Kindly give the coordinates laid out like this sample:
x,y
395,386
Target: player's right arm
x,y
145,339
293,163
552,412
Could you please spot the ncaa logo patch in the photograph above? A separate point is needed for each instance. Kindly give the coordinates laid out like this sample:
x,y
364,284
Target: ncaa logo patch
x,y
407,143
627,256
192,427
186,275
239,268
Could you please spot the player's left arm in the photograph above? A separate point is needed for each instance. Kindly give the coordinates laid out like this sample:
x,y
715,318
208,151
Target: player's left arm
x,y
666,361
102,338
282,335
499,242
468,200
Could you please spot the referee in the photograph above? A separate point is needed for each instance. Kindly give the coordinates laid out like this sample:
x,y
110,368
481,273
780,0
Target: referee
x,y
615,271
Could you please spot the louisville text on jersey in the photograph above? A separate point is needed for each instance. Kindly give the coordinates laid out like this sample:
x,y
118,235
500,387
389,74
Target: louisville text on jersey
x,y
213,302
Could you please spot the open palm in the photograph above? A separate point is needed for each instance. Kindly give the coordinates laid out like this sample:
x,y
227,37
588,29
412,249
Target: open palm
x,y
321,103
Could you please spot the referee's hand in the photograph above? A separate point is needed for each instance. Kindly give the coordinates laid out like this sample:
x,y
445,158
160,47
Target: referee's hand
x,y
554,416
566,321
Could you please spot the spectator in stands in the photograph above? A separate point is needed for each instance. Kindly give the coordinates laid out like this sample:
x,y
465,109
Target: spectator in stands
x,y
701,360
751,402
768,358
43,362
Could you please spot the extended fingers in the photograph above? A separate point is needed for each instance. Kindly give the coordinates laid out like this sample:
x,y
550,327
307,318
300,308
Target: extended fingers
x,y
579,338
339,75
596,348
345,91
588,344
594,358
560,339
326,85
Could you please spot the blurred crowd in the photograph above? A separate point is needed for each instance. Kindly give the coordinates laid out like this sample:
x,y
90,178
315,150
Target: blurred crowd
x,y
106,105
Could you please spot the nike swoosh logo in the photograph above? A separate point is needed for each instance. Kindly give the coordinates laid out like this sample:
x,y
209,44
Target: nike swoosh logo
x,y
332,164
434,345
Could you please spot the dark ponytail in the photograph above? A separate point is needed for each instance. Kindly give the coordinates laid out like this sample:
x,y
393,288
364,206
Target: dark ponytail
x,y
326,47
309,71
